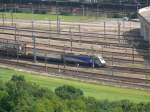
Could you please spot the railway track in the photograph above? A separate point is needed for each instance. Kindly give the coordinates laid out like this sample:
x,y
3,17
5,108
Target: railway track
x,y
109,56
76,33
105,53
104,26
113,37
76,40
62,49
79,73
109,67
126,69
133,57
79,49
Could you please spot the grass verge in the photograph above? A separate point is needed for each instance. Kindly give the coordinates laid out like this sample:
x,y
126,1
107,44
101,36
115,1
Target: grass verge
x,y
30,16
98,91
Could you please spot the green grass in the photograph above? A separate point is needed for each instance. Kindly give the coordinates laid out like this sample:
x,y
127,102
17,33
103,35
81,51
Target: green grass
x,y
30,16
98,91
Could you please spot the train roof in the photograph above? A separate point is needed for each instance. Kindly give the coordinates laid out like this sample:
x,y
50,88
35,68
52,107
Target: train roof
x,y
84,54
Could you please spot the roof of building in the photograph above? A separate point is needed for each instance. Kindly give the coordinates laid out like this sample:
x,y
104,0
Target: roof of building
x,y
145,12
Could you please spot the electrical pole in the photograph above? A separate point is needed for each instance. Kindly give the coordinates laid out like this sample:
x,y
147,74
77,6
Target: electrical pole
x,y
49,32
34,41
58,20
70,32
119,31
104,29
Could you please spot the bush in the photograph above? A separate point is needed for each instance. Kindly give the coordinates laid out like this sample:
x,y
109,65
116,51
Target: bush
x,y
17,78
65,13
68,92
39,12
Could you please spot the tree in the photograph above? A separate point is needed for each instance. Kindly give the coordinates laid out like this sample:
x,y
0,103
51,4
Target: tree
x,y
17,95
75,105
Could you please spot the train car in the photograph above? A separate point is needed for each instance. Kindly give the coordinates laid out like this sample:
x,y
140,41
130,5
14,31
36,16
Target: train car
x,y
12,49
93,60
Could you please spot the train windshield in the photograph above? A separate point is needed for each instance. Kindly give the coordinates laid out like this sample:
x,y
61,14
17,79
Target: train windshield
x,y
102,61
97,61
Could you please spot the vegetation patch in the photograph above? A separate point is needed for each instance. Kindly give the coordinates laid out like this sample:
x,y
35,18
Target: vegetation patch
x,y
52,17
100,92
18,95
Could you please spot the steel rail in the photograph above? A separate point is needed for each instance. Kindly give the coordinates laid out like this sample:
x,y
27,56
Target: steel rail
x,y
81,74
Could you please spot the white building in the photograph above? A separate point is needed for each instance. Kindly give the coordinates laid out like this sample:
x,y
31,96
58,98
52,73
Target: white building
x,y
144,16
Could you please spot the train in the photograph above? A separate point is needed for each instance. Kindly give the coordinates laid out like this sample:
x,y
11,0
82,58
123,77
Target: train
x,y
71,58
19,50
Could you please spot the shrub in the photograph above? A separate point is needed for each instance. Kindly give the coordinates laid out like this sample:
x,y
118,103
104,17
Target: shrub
x,y
17,78
68,92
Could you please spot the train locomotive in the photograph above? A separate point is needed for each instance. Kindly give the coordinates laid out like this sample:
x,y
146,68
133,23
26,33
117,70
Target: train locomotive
x,y
67,58
88,60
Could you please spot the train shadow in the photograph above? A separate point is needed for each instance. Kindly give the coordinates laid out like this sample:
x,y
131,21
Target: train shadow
x,y
137,42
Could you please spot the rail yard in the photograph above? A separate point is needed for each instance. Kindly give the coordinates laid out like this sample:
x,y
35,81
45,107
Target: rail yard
x,y
74,56
124,50
118,41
